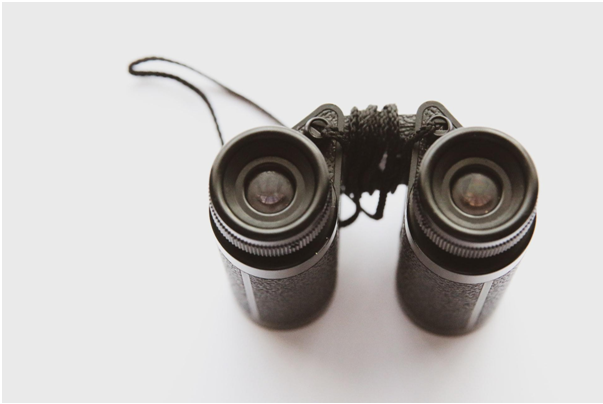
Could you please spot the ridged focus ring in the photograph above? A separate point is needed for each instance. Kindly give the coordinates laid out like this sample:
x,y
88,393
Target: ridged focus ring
x,y
467,249
275,248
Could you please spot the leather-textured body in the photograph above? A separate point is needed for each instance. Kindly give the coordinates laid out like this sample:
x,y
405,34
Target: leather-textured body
x,y
440,305
290,302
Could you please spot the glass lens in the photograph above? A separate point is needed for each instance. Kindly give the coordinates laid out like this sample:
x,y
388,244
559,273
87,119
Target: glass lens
x,y
270,192
475,194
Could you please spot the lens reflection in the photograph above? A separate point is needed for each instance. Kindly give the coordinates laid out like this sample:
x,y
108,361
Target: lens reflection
x,y
475,194
270,192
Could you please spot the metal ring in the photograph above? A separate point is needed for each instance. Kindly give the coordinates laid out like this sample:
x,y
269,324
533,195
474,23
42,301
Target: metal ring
x,y
440,132
308,127
282,273
446,273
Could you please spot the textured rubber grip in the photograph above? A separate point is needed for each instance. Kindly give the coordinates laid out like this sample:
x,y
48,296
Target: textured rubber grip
x,y
442,306
290,302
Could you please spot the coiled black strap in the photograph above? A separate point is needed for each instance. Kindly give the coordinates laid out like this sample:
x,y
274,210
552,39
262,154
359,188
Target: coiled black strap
x,y
376,155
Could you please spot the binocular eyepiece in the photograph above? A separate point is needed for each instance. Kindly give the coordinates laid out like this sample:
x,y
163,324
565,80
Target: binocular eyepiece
x,y
270,195
476,193
469,216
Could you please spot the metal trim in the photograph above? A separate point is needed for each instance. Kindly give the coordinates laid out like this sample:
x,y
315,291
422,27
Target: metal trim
x,y
281,273
253,306
269,248
453,276
479,304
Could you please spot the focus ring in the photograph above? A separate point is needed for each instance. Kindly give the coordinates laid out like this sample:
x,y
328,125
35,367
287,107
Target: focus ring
x,y
467,249
274,248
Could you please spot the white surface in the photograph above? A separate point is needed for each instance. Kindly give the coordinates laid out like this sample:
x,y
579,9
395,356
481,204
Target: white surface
x,y
113,287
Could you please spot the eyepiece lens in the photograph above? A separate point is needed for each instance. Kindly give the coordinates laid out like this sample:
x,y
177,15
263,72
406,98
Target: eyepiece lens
x,y
475,194
269,192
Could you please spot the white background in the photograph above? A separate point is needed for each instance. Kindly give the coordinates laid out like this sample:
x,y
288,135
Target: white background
x,y
112,284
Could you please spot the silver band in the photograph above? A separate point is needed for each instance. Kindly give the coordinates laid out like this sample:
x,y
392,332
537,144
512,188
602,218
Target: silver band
x,y
453,276
281,273
479,305
253,307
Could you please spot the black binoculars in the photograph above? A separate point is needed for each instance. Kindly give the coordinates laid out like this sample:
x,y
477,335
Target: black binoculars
x,y
470,213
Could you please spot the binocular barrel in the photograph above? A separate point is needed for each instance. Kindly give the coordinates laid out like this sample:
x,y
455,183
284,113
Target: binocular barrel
x,y
470,214
274,209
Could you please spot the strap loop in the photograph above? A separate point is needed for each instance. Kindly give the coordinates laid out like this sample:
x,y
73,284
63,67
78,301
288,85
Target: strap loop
x,y
200,93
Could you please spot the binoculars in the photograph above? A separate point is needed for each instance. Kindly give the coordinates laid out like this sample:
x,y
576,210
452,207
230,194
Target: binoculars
x,y
469,216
